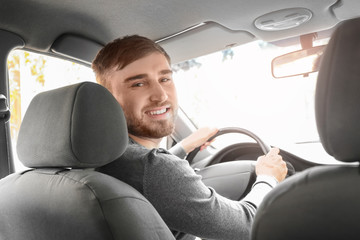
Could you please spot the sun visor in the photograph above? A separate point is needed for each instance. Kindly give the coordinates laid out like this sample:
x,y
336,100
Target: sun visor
x,y
202,39
347,9
76,47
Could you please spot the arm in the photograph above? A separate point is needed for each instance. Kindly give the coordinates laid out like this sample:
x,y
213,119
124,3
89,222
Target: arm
x,y
194,140
187,205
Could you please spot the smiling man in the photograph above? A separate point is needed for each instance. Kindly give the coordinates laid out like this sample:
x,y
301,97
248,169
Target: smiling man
x,y
137,72
147,94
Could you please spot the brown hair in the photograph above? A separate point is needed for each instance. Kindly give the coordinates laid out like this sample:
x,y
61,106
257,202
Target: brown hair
x,y
122,52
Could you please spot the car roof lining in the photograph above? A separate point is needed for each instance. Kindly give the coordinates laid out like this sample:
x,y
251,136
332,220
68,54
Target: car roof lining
x,y
103,21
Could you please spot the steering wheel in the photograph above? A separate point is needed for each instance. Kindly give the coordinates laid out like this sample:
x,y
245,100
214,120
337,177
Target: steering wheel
x,y
232,179
264,147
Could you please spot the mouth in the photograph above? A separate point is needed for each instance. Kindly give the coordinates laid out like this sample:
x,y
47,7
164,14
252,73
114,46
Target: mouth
x,y
158,112
162,112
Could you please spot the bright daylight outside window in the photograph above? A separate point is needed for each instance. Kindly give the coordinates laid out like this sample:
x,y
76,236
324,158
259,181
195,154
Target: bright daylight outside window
x,y
235,88
30,74
231,88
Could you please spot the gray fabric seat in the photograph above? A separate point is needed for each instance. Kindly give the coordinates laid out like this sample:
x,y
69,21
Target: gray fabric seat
x,y
323,202
65,134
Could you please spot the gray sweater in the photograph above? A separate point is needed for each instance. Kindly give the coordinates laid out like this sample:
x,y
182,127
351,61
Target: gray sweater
x,y
181,198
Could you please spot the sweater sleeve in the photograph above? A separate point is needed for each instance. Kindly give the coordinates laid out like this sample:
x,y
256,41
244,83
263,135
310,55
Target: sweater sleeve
x,y
187,205
178,151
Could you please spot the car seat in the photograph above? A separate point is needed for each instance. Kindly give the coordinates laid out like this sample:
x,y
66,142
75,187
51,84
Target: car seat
x,y
323,202
65,134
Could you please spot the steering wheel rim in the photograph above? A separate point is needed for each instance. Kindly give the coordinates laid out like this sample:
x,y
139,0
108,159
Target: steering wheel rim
x,y
264,147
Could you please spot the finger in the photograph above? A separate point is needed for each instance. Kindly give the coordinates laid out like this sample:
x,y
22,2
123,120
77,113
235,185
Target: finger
x,y
214,130
204,146
273,151
260,158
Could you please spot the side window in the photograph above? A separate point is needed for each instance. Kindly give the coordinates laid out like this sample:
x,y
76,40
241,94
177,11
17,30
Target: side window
x,y
30,74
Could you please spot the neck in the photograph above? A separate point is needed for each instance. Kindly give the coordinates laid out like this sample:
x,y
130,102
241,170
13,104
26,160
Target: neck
x,y
149,143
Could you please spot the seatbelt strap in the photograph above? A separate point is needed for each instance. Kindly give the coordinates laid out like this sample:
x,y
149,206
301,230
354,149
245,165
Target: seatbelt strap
x,y
5,139
4,109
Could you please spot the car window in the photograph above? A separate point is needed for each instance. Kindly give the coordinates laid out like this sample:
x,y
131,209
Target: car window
x,y
31,73
235,88
229,88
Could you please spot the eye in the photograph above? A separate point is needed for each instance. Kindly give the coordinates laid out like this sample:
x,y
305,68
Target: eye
x,y
139,84
165,79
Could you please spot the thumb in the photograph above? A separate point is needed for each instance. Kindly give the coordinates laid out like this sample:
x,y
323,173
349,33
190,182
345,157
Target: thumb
x,y
273,151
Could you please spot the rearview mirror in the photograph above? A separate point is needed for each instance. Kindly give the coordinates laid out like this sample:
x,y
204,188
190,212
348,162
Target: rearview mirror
x,y
301,62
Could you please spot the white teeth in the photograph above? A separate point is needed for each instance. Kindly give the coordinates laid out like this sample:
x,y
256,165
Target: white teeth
x,y
158,112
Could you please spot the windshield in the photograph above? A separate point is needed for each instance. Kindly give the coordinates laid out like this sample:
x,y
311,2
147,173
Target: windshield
x,y
235,88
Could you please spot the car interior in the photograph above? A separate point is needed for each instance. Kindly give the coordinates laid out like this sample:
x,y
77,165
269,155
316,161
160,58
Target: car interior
x,y
50,144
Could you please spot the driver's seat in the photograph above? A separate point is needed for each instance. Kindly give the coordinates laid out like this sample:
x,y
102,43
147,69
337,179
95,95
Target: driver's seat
x,y
324,202
65,134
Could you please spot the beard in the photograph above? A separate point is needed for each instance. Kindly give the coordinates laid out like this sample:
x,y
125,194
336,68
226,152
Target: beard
x,y
142,127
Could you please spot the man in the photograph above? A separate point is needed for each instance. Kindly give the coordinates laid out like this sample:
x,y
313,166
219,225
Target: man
x,y
137,72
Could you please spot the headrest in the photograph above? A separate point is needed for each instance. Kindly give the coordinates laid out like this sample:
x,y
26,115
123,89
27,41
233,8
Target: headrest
x,y
337,96
78,126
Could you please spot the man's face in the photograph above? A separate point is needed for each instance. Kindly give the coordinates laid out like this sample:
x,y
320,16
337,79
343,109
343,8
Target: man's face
x,y
146,92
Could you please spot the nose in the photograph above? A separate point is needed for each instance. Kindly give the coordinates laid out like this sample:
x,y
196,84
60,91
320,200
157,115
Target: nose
x,y
158,93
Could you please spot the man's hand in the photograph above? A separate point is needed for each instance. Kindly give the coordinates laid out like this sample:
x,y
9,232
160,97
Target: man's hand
x,y
272,164
198,138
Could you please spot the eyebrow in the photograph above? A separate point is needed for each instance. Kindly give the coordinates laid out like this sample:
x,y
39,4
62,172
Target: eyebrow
x,y
166,71
142,76
136,77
